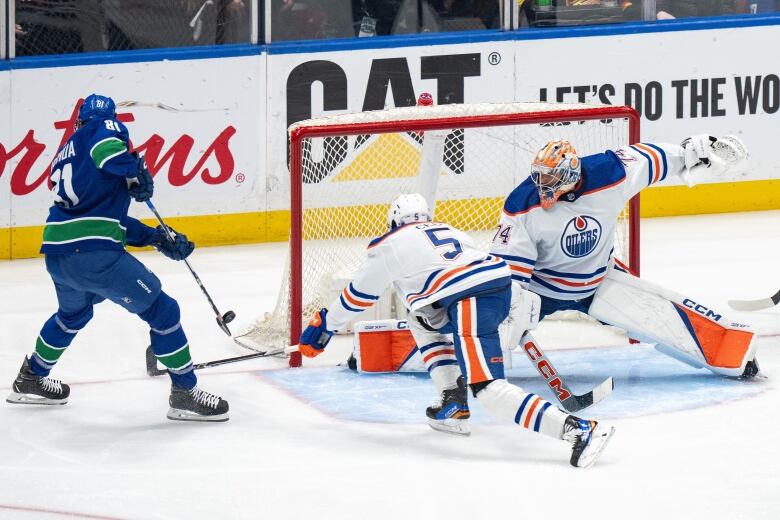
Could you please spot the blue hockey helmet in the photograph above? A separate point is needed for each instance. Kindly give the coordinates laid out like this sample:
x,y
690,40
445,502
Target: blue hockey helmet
x,y
97,106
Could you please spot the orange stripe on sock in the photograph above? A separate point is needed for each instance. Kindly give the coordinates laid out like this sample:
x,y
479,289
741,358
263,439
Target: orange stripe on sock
x,y
531,413
476,374
439,353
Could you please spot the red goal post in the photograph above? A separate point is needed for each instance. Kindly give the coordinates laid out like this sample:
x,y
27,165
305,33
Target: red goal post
x,y
475,134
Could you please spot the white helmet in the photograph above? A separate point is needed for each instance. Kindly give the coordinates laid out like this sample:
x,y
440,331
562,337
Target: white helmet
x,y
408,208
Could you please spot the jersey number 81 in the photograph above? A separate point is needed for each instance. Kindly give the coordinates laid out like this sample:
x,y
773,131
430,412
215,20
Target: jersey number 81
x,y
62,186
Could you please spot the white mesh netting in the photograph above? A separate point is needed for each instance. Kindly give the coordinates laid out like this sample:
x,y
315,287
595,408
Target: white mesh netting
x,y
348,182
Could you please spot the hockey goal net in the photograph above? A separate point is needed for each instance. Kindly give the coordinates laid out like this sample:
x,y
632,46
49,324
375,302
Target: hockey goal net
x,y
345,170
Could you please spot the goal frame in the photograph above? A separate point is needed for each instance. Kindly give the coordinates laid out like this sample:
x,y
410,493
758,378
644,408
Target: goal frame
x,y
299,132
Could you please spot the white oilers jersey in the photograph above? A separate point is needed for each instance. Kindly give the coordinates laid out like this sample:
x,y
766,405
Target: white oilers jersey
x,y
563,252
425,262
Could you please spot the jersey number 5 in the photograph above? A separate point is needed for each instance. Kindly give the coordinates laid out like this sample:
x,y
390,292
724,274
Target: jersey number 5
x,y
441,242
62,186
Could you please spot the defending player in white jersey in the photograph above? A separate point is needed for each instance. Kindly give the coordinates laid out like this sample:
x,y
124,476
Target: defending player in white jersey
x,y
456,296
557,234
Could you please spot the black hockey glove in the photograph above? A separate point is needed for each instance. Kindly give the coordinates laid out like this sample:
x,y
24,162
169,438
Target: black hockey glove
x,y
141,187
179,249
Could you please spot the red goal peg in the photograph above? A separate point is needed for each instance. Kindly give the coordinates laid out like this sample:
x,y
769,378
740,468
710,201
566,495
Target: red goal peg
x,y
425,100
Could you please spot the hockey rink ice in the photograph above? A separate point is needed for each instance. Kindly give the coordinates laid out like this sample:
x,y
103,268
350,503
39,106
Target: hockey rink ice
x,y
325,443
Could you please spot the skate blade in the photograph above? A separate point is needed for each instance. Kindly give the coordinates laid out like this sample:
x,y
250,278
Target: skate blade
x,y
597,444
452,426
176,414
15,398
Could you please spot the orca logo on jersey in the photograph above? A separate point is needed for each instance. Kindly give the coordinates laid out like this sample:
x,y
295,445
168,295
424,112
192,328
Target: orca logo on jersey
x,y
580,236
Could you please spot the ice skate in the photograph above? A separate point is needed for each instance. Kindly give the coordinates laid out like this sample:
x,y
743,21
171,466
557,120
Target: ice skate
x,y
588,439
29,388
196,405
452,413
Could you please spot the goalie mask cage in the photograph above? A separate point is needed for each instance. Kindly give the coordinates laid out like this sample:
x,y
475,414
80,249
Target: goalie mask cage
x,y
345,170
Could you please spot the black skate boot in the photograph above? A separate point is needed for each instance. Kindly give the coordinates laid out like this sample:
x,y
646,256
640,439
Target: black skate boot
x,y
587,438
29,388
751,369
452,413
196,405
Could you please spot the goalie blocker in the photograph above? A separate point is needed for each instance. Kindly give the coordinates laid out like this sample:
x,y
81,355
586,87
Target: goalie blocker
x,y
681,327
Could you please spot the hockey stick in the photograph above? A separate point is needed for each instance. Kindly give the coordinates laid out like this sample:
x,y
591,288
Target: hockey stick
x,y
153,370
568,399
222,319
755,305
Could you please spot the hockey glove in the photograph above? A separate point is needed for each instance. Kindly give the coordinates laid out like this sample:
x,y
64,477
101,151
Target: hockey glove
x,y
141,187
179,249
698,149
316,336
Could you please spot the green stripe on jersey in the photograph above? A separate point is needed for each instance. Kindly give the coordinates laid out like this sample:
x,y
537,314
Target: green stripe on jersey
x,y
46,352
82,229
177,359
107,149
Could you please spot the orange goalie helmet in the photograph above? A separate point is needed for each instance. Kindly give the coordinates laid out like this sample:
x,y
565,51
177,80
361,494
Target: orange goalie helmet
x,y
555,170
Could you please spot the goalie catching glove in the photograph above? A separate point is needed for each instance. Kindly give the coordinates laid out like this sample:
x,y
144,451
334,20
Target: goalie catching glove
x,y
708,158
316,336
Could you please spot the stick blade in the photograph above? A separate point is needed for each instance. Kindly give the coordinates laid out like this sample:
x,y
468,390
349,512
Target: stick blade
x,y
575,403
751,305
151,364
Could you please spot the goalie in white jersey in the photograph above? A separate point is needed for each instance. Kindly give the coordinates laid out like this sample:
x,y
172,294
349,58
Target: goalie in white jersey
x,y
456,296
557,235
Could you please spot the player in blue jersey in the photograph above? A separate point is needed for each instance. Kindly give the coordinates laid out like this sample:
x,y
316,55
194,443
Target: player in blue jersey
x,y
94,176
557,231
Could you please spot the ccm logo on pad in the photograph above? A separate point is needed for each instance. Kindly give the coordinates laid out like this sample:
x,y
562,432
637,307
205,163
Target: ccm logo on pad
x,y
701,309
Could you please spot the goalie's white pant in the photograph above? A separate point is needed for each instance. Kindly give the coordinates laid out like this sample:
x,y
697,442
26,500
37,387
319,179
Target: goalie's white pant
x,y
681,327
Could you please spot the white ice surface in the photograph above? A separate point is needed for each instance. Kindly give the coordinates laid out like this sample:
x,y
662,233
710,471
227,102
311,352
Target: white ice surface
x,y
110,452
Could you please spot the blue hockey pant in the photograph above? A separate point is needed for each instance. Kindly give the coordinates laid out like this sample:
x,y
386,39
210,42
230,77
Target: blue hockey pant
x,y
82,280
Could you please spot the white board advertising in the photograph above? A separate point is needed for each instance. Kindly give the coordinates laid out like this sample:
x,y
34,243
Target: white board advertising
x,y
721,81
197,122
5,129
302,86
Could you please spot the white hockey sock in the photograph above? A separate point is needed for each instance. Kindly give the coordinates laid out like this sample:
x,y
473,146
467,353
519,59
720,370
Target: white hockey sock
x,y
510,403
445,376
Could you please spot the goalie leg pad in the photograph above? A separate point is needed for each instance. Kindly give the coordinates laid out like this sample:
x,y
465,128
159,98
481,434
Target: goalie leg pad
x,y
385,346
391,346
680,326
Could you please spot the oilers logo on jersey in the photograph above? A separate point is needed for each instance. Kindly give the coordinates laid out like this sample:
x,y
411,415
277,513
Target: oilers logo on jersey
x,y
580,236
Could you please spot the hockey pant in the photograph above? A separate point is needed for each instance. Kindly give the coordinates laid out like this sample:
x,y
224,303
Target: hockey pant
x,y
82,280
681,327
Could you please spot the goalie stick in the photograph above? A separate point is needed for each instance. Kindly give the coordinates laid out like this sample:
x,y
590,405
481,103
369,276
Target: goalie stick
x,y
152,369
570,401
755,305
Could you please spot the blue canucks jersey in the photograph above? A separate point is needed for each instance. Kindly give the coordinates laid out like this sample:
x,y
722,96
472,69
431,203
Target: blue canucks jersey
x,y
89,186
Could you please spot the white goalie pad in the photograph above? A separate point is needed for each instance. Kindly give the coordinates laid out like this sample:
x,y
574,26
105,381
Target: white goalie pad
x,y
680,326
